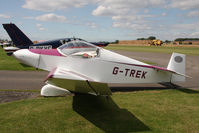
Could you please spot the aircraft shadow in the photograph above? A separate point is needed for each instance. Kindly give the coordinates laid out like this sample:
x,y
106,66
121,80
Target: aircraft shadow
x,y
189,91
24,65
106,115
131,89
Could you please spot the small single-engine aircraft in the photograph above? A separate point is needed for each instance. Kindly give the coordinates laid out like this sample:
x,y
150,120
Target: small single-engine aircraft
x,y
21,41
5,44
79,66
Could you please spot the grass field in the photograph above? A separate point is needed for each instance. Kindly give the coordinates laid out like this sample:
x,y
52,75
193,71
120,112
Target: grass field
x,y
10,63
163,49
139,111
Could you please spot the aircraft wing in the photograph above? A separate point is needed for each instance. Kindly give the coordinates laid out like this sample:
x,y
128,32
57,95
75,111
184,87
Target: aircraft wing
x,y
76,82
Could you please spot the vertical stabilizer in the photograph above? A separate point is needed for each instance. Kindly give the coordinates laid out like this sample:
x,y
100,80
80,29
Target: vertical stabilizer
x,y
17,36
177,64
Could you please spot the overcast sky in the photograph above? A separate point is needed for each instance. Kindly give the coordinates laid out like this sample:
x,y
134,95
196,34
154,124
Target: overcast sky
x,y
106,20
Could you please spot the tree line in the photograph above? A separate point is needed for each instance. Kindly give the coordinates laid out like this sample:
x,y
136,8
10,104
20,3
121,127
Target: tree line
x,y
177,39
149,38
186,39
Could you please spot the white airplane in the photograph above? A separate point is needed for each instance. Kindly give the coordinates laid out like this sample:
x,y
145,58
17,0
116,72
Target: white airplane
x,y
82,67
5,44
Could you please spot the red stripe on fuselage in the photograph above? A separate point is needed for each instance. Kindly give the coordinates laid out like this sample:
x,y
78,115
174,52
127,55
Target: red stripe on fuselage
x,y
52,52
50,75
145,66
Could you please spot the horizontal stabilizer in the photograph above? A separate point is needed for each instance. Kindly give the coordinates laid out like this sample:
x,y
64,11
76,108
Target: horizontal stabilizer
x,y
167,70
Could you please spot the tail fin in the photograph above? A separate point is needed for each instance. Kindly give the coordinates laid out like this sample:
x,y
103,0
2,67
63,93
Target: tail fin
x,y
17,36
177,64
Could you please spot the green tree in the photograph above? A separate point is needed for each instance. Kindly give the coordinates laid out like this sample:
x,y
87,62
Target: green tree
x,y
116,41
167,41
141,38
151,38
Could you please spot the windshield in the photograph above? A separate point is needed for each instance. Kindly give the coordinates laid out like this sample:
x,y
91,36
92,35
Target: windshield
x,y
76,46
66,40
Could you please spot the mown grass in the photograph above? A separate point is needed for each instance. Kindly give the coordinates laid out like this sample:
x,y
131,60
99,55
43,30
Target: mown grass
x,y
10,63
161,49
139,111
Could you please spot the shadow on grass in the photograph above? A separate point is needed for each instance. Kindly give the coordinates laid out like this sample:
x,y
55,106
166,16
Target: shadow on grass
x,y
189,91
106,115
179,88
30,67
131,89
24,65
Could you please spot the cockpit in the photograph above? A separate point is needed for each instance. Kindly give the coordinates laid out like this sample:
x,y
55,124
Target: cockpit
x,y
66,40
79,48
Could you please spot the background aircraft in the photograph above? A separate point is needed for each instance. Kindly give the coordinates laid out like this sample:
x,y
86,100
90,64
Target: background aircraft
x,y
79,66
5,44
21,41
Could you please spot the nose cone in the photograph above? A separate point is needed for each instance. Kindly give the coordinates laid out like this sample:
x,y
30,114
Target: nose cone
x,y
27,57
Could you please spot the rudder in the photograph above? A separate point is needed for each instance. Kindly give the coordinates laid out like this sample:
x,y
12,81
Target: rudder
x,y
177,64
17,36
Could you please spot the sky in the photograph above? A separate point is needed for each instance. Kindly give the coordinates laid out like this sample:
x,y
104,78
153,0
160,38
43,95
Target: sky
x,y
102,20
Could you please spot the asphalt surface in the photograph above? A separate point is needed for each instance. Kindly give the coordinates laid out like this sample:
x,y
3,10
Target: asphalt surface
x,y
19,84
22,80
33,80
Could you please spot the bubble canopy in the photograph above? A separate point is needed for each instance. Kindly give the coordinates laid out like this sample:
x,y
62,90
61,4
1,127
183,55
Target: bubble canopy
x,y
76,46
